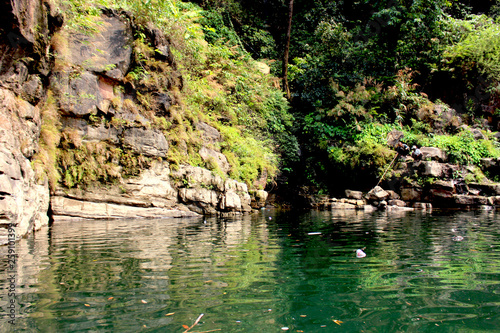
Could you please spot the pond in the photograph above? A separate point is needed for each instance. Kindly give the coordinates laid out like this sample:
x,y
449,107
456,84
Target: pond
x,y
266,272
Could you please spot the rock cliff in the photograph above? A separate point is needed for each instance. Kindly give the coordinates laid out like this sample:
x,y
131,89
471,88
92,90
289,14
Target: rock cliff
x,y
78,130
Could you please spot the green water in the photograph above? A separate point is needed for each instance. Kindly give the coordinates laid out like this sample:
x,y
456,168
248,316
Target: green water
x,y
266,272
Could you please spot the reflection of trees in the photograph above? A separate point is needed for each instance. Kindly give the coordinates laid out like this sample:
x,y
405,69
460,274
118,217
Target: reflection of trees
x,y
228,267
416,268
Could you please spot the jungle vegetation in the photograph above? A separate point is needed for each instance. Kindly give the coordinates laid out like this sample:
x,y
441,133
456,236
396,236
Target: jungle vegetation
x,y
354,71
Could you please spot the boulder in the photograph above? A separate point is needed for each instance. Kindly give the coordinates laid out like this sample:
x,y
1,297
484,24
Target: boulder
x,y
377,193
478,135
399,203
259,198
494,201
211,156
343,205
433,154
431,169
411,193
358,195
484,189
469,200
209,134
393,195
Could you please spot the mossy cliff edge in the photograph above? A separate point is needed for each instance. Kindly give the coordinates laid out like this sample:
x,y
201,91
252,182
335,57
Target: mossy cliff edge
x,y
106,114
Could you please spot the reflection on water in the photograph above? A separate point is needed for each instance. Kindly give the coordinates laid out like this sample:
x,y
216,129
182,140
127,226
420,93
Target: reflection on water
x,y
265,272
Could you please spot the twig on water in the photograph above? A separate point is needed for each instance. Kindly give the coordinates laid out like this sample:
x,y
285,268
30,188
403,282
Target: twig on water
x,y
195,322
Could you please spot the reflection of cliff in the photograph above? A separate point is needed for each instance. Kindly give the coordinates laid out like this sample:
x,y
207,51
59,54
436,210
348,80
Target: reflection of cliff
x,y
114,265
30,277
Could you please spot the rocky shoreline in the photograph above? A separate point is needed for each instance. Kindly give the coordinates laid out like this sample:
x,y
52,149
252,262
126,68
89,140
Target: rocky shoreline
x,y
431,182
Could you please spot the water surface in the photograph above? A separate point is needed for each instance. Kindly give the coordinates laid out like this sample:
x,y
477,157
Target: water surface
x,y
267,272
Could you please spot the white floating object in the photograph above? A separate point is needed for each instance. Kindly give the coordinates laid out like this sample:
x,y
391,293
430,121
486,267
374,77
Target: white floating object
x,y
360,253
314,233
284,328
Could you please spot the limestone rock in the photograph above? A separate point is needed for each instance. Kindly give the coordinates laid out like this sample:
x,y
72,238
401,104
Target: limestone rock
x,y
259,199
377,193
146,142
399,203
343,205
469,200
411,194
209,134
65,207
92,133
23,201
78,96
108,51
354,194
433,153
431,169
210,155
485,189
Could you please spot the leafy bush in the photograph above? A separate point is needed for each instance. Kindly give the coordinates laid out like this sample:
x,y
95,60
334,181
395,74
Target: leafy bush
x,y
478,45
462,148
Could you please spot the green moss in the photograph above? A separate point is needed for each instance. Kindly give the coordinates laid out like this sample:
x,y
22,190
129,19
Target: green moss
x,y
45,161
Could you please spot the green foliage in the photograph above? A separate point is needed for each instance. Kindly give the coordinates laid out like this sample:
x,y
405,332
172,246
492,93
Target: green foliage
x,y
462,148
478,45
82,16
246,155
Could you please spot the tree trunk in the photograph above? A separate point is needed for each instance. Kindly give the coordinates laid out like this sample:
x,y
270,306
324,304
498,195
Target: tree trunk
x,y
286,88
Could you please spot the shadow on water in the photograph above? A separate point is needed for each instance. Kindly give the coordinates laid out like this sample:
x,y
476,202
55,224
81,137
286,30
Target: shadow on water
x,y
269,272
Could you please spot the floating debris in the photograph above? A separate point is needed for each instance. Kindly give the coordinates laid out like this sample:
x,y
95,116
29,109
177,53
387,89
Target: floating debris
x,y
314,233
285,328
360,253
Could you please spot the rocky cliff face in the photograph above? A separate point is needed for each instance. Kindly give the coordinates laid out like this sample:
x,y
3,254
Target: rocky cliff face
x,y
24,67
80,107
